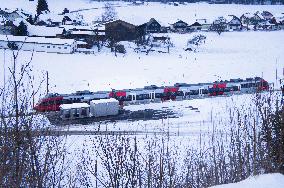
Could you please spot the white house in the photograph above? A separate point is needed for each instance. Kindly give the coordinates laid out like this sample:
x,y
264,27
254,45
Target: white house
x,y
234,24
39,44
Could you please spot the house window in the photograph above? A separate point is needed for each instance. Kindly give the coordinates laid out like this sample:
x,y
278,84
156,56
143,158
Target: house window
x,y
53,46
48,46
65,47
59,47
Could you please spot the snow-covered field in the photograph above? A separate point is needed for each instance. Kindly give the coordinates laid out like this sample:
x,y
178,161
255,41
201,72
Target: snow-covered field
x,y
230,55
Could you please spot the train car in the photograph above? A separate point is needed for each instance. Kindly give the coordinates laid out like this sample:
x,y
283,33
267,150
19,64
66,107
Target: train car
x,y
250,85
170,93
193,90
49,104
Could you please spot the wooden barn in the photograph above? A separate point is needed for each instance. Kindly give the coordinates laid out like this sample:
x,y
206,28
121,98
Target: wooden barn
x,y
122,31
153,26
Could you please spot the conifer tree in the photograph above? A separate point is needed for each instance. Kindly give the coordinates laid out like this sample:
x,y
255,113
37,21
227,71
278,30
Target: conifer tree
x,y
21,29
41,6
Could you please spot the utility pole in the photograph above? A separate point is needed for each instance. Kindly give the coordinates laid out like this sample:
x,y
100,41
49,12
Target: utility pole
x,y
47,83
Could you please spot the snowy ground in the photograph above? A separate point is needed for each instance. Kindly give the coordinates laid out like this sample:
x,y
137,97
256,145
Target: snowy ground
x,y
261,181
230,55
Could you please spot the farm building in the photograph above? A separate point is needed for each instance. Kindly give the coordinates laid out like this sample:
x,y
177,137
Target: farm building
x,y
179,26
205,24
104,107
122,31
74,110
195,27
39,44
153,26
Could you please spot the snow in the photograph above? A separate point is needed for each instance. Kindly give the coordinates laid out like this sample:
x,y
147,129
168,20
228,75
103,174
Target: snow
x,y
74,105
102,101
41,40
44,31
262,181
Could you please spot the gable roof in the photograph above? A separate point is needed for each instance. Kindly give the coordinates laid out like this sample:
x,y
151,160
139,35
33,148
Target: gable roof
x,y
180,21
152,20
234,18
196,24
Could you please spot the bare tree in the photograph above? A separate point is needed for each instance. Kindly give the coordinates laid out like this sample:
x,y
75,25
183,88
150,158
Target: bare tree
x,y
109,14
28,158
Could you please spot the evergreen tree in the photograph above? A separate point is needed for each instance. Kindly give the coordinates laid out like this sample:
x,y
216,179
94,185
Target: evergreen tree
x,y
21,30
41,6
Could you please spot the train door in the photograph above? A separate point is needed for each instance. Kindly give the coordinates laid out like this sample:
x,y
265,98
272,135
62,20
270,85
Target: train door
x,y
133,97
152,96
200,92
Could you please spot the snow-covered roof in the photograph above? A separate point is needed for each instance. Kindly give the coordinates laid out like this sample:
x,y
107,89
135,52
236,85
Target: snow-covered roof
x,y
77,27
81,42
50,17
83,32
41,40
248,15
104,101
203,21
44,31
259,15
17,21
74,105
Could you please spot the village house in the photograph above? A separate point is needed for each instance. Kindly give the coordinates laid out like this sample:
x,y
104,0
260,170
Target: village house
x,y
179,26
267,15
123,31
11,15
222,21
205,24
39,44
267,25
195,27
55,20
152,26
278,20
251,19
234,24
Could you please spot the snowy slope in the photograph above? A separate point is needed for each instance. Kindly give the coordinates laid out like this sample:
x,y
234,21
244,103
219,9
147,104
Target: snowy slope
x,y
261,181
230,55
140,14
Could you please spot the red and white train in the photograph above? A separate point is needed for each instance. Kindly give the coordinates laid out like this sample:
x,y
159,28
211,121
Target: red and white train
x,y
153,93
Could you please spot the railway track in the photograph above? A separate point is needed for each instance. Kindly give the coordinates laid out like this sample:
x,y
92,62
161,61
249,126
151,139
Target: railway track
x,y
86,133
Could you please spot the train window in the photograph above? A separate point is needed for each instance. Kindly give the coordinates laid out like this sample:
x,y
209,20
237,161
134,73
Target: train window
x,y
158,95
51,102
84,112
58,102
67,113
75,113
